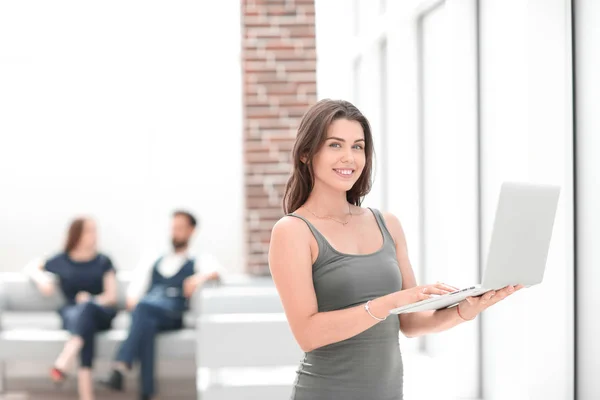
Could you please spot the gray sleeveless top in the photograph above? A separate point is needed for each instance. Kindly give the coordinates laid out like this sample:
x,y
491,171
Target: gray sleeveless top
x,y
368,365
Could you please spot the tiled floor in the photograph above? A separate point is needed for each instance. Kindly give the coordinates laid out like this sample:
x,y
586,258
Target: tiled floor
x,y
42,390
57,396
54,396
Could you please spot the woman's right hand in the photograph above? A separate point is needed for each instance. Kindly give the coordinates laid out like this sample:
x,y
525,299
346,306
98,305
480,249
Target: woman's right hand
x,y
418,293
46,287
43,280
82,297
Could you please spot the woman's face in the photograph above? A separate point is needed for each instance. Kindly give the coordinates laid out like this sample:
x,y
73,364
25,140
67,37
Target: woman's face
x,y
88,238
341,159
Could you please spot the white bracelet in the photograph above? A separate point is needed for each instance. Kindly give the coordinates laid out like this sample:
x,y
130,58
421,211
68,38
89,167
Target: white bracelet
x,y
368,309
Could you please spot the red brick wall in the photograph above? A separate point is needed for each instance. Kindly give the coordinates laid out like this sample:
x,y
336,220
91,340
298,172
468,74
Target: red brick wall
x,y
279,78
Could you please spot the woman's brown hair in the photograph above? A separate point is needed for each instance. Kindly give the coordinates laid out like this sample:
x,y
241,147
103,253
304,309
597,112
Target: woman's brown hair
x,y
312,133
74,234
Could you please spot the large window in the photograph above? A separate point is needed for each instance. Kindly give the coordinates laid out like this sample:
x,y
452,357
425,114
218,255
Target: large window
x,y
447,136
415,77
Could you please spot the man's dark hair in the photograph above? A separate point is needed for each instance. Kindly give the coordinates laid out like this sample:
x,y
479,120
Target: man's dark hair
x,y
188,215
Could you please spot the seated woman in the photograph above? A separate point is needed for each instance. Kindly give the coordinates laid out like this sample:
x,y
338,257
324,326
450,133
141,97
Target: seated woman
x,y
88,282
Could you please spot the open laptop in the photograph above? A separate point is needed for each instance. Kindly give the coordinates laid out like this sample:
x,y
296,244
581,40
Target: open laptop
x,y
518,248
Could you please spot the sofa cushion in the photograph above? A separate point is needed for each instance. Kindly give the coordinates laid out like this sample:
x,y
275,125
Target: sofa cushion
x,y
19,294
51,320
43,344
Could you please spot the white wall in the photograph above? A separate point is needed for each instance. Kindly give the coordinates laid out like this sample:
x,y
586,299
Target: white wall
x,y
587,36
526,135
123,110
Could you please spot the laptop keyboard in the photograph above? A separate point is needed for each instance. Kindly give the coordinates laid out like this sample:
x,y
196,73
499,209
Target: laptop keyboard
x,y
461,290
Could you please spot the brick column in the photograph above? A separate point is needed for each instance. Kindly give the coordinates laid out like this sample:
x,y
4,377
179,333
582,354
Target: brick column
x,y
279,78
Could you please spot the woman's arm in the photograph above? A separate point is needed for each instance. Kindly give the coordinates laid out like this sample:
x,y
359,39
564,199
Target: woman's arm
x,y
42,279
424,322
290,262
109,296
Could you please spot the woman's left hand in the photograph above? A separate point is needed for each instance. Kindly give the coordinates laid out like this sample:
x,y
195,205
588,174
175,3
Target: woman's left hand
x,y
470,307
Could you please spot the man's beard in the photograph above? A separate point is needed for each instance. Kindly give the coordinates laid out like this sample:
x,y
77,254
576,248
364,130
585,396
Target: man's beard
x,y
179,244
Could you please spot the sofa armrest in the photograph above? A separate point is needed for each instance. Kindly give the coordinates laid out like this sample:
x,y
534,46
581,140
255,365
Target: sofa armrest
x,y
2,301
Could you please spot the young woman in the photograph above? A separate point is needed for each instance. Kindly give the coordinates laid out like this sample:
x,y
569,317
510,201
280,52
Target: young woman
x,y
340,268
88,283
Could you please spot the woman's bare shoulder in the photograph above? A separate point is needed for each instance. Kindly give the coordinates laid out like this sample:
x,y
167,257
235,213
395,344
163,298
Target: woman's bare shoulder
x,y
290,227
392,222
290,244
389,218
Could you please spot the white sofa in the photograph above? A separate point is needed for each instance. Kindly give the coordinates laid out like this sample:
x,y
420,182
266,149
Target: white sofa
x,y
30,327
236,334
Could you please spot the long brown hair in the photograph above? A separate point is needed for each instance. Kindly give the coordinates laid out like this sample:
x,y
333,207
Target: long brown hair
x,y
74,234
312,133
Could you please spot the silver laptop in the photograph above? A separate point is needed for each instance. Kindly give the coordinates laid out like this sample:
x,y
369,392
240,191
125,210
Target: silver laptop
x,y
518,248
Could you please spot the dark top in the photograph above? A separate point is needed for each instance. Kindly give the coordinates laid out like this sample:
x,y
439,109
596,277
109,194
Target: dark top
x,y
368,365
78,276
167,293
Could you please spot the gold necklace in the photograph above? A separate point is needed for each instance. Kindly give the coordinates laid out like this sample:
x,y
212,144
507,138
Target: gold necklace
x,y
344,223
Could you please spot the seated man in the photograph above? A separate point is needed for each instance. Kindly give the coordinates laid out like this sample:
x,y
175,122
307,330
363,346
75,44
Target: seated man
x,y
158,295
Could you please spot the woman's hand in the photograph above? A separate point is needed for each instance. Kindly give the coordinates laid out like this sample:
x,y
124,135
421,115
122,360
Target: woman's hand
x,y
43,280
418,293
82,297
469,308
